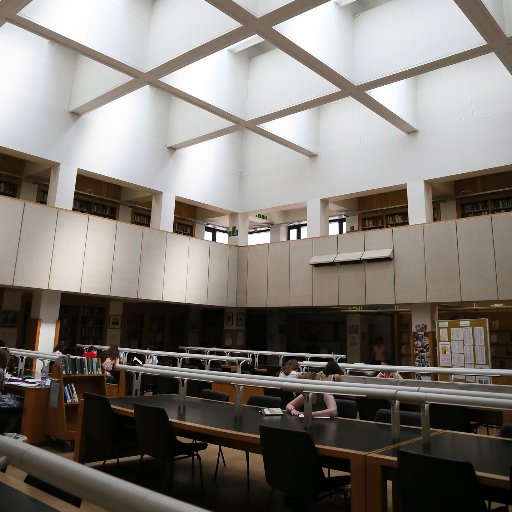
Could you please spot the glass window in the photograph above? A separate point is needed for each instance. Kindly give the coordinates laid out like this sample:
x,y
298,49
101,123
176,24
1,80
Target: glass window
x,y
259,237
337,226
215,235
297,231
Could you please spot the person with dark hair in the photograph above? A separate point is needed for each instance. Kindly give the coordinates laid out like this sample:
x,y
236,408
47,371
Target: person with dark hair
x,y
2,344
332,371
91,352
11,408
109,360
323,403
290,369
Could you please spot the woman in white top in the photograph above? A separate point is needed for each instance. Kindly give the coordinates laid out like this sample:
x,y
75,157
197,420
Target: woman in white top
x,y
290,369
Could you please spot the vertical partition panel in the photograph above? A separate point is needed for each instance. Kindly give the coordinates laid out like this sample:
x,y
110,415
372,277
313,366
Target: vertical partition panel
x,y
278,274
99,256
11,215
36,246
126,267
176,268
380,275
476,259
325,277
351,276
197,278
301,273
409,258
152,264
441,262
68,251
257,276
232,275
241,284
218,274
502,233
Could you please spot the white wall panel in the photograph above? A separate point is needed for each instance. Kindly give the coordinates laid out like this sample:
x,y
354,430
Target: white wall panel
x,y
257,275
301,273
99,256
380,275
409,260
278,274
36,246
176,268
241,287
441,262
218,274
351,276
197,278
232,276
502,232
152,264
68,251
476,259
11,215
127,251
325,278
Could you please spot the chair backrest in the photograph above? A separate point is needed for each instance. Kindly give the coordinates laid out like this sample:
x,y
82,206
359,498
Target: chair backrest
x,y
155,435
100,422
430,483
214,395
346,408
506,430
406,417
368,407
264,401
291,462
450,417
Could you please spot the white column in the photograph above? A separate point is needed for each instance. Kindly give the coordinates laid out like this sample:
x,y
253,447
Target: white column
x,y
278,233
318,217
28,191
424,314
352,223
448,210
199,230
419,199
61,190
124,214
239,222
162,211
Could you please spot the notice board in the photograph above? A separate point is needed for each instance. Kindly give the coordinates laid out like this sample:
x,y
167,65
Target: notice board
x,y
464,344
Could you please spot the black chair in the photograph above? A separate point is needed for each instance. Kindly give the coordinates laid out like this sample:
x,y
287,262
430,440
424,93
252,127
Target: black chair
x,y
406,417
211,394
430,483
292,466
450,417
104,429
506,430
156,438
368,407
76,501
346,408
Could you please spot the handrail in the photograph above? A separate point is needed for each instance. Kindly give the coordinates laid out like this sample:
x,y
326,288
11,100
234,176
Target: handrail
x,y
22,354
90,484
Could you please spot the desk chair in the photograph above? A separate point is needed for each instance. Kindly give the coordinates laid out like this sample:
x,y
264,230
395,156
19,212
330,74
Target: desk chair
x,y
346,408
210,394
450,417
368,407
156,438
292,466
428,483
406,417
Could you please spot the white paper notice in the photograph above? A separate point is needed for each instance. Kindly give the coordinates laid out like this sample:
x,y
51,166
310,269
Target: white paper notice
x,y
457,360
479,336
469,355
445,354
443,324
458,347
443,334
457,334
468,335
480,354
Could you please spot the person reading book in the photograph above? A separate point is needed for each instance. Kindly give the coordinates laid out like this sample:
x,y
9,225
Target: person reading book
x,y
110,358
323,403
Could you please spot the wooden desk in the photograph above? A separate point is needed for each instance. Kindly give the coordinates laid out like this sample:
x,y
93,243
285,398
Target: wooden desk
x,y
215,422
35,407
490,457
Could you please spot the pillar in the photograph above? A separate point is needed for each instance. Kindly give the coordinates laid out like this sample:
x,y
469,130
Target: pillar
x,y
419,200
199,230
352,223
162,211
318,217
278,233
238,229
357,339
61,190
448,210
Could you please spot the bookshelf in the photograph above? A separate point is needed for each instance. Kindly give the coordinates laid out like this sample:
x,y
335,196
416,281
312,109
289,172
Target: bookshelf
x,y
8,188
94,207
404,337
62,417
389,219
141,219
81,324
183,228
501,348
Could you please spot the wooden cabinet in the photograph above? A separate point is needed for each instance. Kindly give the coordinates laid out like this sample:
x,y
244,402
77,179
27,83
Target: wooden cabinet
x,y
388,219
62,417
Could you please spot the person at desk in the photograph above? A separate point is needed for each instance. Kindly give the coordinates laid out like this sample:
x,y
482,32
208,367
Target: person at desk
x,y
90,352
290,369
378,351
389,375
109,360
332,371
323,403
11,408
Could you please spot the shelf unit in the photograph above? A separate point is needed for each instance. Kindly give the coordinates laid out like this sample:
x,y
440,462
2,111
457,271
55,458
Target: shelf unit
x,y
81,324
403,349
93,207
501,349
388,219
183,228
141,219
62,417
485,206
8,188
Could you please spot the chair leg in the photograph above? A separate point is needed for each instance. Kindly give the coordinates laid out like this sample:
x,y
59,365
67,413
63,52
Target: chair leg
x,y
247,466
219,454
200,474
222,455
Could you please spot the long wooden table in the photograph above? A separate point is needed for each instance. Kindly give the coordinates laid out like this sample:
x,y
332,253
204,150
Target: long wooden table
x,y
216,422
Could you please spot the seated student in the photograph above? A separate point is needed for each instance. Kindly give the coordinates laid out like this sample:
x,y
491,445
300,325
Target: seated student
x,y
323,403
332,371
109,360
290,369
389,375
90,352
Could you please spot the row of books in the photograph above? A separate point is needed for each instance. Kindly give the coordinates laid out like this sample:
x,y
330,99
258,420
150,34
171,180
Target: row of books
x,y
72,365
70,394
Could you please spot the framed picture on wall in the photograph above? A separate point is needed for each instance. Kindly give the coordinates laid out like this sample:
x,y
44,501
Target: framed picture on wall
x,y
240,319
9,319
114,322
228,319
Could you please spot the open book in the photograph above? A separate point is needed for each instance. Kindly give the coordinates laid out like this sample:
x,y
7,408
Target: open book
x,y
271,411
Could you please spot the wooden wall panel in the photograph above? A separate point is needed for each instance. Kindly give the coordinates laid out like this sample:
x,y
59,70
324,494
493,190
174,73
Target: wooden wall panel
x,y
409,261
278,274
380,275
257,276
232,276
68,251
152,264
325,277
351,276
11,215
176,268
197,278
126,266
476,259
442,262
502,234
218,274
36,246
241,287
301,273
99,256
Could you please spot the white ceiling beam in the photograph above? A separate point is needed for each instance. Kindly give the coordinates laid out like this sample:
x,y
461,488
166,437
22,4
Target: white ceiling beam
x,y
185,143
10,9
